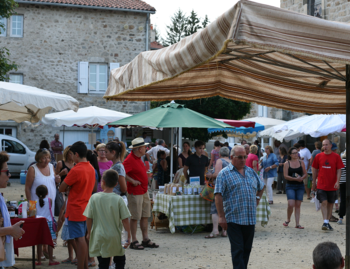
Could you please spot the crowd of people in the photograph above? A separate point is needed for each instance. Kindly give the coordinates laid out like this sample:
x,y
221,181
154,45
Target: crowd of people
x,y
104,194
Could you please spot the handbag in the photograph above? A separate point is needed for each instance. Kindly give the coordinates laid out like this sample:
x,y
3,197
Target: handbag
x,y
208,192
2,242
54,222
59,202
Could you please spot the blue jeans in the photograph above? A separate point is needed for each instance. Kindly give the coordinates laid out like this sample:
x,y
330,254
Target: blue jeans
x,y
295,191
241,240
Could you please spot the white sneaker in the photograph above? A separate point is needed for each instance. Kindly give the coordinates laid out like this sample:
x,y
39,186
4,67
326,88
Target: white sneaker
x,y
340,221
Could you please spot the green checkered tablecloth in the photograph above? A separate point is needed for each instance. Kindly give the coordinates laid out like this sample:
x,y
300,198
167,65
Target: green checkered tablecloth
x,y
263,211
194,210
183,210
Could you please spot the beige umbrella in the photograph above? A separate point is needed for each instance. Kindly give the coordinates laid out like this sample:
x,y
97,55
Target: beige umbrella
x,y
25,103
253,53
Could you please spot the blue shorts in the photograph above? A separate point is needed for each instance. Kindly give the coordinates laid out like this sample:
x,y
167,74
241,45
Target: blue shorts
x,y
76,229
295,191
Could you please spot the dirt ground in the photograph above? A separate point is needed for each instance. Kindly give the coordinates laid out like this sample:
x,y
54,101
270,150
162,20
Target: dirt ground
x,y
274,246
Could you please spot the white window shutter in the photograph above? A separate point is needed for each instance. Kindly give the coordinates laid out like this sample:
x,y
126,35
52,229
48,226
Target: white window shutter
x,y
113,66
83,77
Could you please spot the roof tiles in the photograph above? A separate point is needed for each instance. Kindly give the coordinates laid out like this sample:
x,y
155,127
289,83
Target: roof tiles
x,y
117,4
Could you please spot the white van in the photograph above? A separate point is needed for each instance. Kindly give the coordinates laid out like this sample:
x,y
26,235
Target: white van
x,y
20,155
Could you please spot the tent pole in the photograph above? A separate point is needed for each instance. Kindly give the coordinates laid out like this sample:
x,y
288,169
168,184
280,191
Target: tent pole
x,y
171,157
347,242
92,132
64,127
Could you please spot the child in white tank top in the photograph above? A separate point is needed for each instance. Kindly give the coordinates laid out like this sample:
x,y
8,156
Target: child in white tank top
x,y
43,209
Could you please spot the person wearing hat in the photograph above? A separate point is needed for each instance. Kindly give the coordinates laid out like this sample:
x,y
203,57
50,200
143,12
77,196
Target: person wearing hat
x,y
334,148
138,199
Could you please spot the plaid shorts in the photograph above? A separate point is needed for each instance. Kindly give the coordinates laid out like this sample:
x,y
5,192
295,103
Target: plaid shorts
x,y
53,234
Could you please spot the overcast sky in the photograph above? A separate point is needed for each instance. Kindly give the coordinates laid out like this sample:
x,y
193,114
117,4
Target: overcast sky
x,y
166,9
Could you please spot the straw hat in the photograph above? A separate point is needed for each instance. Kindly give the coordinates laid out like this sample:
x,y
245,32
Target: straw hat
x,y
138,142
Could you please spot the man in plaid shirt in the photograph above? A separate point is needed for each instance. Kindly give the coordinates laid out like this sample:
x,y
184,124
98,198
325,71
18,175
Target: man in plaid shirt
x,y
237,193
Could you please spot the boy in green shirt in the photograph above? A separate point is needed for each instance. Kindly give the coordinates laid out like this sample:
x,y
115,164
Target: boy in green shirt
x,y
106,215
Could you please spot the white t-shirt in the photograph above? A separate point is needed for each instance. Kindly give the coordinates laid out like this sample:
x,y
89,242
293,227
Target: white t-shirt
x,y
306,154
153,151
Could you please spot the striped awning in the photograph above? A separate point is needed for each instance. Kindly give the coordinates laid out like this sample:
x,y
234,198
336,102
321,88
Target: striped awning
x,y
253,53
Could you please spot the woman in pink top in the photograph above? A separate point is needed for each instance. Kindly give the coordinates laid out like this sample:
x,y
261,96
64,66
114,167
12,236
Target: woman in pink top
x,y
253,160
103,162
215,153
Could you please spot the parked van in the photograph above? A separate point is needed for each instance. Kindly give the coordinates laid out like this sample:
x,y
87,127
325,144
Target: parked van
x,y
20,155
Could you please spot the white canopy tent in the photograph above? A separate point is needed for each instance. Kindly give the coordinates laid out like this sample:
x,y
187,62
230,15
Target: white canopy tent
x,y
25,103
89,117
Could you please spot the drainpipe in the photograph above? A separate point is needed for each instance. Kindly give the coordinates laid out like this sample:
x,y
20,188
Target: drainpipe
x,y
147,104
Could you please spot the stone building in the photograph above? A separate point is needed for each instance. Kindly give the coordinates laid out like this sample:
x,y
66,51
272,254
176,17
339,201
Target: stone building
x,y
69,47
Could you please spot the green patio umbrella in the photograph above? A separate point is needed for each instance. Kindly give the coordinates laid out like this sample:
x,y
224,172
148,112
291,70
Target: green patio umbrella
x,y
171,115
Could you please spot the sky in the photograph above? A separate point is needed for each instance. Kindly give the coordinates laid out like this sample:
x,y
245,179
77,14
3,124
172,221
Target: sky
x,y
167,8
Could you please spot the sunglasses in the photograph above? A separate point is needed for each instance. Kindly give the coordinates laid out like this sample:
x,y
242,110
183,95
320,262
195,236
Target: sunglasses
x,y
6,171
241,157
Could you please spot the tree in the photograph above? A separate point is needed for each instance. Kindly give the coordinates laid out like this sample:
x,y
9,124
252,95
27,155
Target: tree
x,y
182,26
192,24
7,8
177,29
215,107
205,22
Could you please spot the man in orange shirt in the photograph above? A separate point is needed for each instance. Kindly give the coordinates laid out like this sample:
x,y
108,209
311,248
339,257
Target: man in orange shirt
x,y
80,182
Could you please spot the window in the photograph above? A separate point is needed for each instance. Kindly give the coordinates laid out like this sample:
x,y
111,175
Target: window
x,y
11,146
17,26
97,78
3,22
262,111
16,78
6,131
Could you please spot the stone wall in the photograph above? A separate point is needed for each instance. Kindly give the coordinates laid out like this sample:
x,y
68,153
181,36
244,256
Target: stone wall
x,y
333,10
57,38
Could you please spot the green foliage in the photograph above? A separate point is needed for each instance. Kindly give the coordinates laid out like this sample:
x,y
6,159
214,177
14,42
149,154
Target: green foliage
x,y
215,107
205,22
7,8
193,24
182,26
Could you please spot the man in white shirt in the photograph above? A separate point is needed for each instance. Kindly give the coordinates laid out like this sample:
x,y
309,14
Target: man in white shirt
x,y
305,155
146,138
152,153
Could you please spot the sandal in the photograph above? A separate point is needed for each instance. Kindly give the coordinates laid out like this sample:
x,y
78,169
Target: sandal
x,y
38,263
286,223
91,264
66,261
149,244
136,245
224,234
210,236
53,263
299,227
333,219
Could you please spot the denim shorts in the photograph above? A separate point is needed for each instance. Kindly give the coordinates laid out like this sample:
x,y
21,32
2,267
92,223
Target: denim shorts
x,y
76,229
295,191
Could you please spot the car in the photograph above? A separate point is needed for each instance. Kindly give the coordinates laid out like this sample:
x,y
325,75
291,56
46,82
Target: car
x,y
20,155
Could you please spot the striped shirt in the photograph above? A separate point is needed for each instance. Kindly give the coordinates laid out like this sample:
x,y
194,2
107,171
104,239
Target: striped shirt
x,y
239,194
343,172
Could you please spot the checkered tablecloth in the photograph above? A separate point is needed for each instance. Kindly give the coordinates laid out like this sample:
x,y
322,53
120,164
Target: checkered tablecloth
x,y
194,210
183,210
263,211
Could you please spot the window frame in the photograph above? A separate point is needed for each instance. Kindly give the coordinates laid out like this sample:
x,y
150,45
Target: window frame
x,y
16,74
97,91
11,20
14,146
4,34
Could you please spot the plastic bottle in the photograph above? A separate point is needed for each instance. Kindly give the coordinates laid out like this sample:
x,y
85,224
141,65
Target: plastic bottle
x,y
124,237
23,177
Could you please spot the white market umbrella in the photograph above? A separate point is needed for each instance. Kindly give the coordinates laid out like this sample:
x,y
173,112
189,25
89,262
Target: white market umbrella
x,y
315,125
90,117
267,122
25,103
280,136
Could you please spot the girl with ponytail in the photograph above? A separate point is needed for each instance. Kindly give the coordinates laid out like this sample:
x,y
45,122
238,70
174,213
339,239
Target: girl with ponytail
x,y
115,152
44,209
